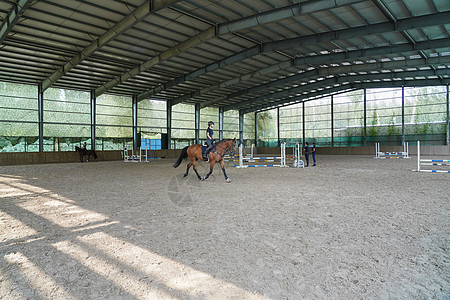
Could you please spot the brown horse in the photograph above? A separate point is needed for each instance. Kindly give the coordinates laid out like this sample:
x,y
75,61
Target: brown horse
x,y
194,152
82,152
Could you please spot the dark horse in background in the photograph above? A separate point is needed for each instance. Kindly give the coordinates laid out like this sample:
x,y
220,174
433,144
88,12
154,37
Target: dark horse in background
x,y
83,152
194,152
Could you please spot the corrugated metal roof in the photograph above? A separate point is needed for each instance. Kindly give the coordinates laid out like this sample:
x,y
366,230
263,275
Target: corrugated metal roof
x,y
238,54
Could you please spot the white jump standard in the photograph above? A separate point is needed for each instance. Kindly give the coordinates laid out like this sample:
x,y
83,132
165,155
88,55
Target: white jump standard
x,y
236,156
138,157
298,162
384,155
281,159
431,162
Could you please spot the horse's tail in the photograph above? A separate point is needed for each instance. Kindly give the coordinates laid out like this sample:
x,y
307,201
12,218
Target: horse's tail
x,y
95,154
183,155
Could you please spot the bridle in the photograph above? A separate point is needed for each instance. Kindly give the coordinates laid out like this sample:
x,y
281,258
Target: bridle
x,y
224,148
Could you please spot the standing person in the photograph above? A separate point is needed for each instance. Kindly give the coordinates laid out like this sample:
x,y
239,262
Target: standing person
x,y
209,139
307,153
313,151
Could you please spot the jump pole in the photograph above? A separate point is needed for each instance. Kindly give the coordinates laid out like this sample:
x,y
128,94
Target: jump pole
x,y
384,155
430,162
282,159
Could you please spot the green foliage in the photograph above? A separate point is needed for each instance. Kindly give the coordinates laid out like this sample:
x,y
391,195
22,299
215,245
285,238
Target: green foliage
x,y
249,126
267,125
392,130
373,131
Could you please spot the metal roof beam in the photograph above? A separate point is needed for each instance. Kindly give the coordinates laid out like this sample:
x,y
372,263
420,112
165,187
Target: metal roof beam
x,y
343,34
314,60
357,85
370,52
184,46
137,15
214,66
416,22
390,16
225,28
381,66
404,82
13,17
340,79
283,13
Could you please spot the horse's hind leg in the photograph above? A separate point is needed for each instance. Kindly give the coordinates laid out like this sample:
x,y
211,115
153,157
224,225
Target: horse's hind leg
x,y
196,172
187,169
192,163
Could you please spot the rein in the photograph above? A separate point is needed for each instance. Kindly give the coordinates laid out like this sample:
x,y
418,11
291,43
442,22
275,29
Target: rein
x,y
221,155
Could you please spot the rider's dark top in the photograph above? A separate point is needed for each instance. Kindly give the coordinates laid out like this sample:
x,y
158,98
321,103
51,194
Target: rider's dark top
x,y
211,132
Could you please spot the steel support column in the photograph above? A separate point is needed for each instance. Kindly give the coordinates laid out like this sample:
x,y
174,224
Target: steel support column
x,y
303,123
93,117
220,123
278,127
403,115
365,117
197,123
332,121
134,114
41,117
256,129
169,124
241,126
448,119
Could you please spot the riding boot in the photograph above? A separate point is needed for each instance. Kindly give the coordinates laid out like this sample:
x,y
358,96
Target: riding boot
x,y
205,155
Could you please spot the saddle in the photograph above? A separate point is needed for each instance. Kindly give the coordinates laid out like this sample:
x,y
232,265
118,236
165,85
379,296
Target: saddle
x,y
204,154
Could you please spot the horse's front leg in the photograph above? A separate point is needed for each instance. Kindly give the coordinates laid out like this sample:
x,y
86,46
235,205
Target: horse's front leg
x,y
211,167
222,165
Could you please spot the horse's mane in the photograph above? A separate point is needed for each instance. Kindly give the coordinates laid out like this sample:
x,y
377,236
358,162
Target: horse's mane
x,y
224,141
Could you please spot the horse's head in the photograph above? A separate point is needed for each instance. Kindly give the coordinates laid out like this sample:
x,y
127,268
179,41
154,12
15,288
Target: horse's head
x,y
232,146
77,149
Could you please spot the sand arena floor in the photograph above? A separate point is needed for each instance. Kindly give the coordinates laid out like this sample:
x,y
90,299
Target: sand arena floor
x,y
350,228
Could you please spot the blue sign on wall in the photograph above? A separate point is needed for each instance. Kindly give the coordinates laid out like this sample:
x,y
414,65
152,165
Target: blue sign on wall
x,y
151,144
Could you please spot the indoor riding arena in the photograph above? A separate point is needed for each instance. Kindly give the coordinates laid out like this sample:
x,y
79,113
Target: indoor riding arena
x,y
330,168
